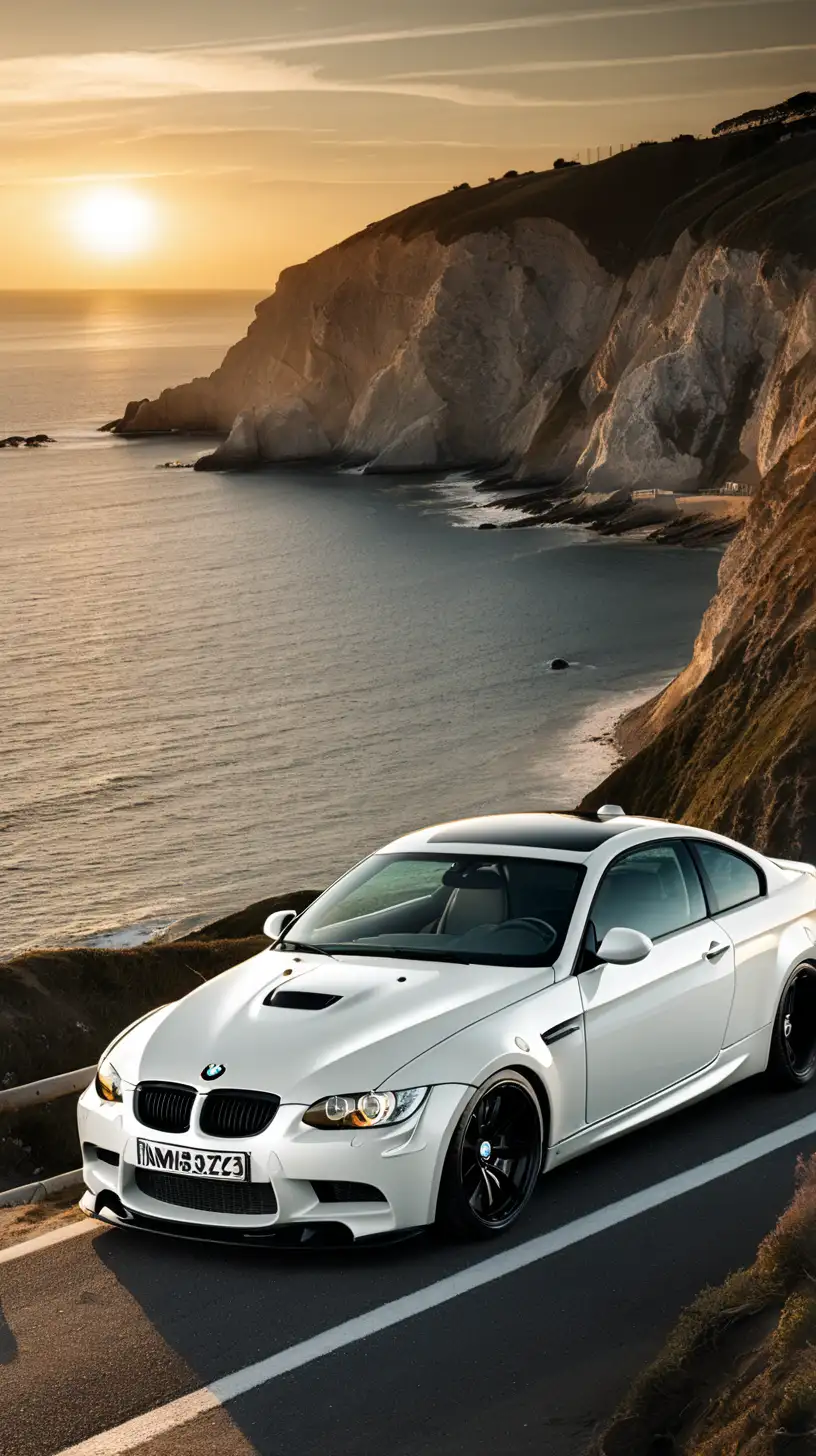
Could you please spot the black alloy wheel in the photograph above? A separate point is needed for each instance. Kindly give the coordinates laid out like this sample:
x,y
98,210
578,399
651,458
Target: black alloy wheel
x,y
494,1159
792,1061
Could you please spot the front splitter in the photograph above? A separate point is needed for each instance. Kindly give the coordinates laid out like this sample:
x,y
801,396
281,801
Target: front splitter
x,y
109,1209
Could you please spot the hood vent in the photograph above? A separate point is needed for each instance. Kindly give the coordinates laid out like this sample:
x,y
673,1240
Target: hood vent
x,y
300,1000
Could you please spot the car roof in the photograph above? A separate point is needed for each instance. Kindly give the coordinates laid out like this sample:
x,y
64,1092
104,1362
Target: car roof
x,y
568,831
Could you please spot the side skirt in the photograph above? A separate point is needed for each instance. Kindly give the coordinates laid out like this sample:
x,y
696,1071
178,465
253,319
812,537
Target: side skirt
x,y
735,1063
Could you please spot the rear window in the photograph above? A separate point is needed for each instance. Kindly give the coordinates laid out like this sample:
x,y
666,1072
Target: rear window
x,y
730,879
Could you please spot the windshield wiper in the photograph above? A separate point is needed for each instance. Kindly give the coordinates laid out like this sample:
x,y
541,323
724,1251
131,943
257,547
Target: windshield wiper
x,y
400,953
301,945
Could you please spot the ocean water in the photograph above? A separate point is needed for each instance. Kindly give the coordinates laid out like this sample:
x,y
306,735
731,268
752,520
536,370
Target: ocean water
x,y
216,687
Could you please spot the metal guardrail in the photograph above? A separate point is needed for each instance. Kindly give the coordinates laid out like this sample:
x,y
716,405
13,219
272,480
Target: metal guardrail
x,y
39,1192
31,1094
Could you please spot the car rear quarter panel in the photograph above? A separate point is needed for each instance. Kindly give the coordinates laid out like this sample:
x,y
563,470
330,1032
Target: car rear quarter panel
x,y
771,936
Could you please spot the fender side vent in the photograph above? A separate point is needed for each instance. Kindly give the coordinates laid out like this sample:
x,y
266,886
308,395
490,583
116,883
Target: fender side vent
x,y
559,1032
301,1000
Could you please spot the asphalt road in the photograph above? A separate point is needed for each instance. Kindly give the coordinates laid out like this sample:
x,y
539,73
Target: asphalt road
x,y
110,1325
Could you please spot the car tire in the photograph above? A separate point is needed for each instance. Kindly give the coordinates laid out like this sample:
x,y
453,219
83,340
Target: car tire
x,y
493,1161
792,1059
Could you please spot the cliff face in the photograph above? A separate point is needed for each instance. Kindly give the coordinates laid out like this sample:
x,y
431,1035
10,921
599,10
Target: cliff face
x,y
731,744
620,324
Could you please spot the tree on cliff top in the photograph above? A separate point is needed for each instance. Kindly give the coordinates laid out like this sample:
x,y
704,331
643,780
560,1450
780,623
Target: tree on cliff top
x,y
796,108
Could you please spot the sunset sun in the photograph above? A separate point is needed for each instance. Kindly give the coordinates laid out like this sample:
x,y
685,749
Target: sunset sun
x,y
114,222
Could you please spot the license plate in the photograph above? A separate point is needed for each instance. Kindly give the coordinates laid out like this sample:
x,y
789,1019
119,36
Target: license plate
x,y
167,1158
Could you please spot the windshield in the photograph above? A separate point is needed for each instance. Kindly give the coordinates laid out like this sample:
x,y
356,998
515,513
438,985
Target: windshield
x,y
469,908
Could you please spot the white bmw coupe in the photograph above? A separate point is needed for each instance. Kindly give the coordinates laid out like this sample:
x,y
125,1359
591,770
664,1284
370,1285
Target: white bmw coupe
x,y
475,1003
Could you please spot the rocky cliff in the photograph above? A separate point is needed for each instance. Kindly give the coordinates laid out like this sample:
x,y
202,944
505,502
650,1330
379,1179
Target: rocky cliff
x,y
650,320
621,324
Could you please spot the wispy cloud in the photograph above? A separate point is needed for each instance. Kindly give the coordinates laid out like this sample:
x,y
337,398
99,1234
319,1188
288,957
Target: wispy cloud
x,y
182,131
603,63
46,80
59,123
329,39
14,177
149,75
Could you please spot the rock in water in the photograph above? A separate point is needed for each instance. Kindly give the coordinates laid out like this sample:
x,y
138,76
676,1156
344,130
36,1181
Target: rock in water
x,y
286,432
123,426
28,442
558,664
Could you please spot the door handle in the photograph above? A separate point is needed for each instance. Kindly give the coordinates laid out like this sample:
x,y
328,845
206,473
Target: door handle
x,y
715,951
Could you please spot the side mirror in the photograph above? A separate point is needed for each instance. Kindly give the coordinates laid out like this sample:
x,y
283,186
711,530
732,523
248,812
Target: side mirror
x,y
277,922
621,947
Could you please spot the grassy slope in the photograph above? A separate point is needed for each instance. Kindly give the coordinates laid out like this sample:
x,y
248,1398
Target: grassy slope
x,y
744,190
738,1374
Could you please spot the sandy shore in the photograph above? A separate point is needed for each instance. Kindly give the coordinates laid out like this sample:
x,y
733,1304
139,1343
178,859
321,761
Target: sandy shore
x,y
611,732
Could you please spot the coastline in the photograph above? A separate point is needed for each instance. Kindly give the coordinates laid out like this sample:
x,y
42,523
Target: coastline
x,y
604,739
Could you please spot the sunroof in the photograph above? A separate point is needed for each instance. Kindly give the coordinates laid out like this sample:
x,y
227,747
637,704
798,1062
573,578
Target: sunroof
x,y
577,832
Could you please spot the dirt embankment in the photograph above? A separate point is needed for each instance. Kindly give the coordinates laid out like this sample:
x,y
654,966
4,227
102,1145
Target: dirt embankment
x,y
738,1374
60,1008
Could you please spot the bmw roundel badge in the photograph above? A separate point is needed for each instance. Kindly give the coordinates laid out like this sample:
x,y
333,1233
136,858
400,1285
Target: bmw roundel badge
x,y
213,1070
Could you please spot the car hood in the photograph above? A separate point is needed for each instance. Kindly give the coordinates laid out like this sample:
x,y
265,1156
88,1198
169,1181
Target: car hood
x,y
388,1013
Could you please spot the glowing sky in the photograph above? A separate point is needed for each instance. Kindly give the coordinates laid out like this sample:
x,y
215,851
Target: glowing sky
x,y
254,134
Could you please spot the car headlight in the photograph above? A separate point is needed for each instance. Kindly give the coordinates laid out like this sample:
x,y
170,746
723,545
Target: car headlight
x,y
365,1109
108,1082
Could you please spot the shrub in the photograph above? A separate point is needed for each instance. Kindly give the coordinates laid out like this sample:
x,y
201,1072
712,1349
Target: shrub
x,y
511,174
560,163
796,108
684,136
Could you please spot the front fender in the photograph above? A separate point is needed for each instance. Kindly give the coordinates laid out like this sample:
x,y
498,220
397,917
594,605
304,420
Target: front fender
x,y
514,1037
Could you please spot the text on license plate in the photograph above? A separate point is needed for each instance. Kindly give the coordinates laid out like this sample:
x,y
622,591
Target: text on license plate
x,y
169,1159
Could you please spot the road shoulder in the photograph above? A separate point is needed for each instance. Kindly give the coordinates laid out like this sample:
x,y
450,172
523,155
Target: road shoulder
x,y
30,1220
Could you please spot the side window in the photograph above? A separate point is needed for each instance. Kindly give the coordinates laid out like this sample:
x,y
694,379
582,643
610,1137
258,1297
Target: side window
x,y
655,890
731,879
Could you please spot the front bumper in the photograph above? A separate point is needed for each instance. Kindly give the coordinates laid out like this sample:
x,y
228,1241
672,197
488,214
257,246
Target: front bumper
x,y
324,1187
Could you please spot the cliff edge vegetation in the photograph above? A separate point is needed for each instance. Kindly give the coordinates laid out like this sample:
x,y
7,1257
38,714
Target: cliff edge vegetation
x,y
738,1374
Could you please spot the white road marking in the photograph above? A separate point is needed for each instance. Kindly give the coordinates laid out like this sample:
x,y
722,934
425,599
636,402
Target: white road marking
x,y
187,1408
43,1241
